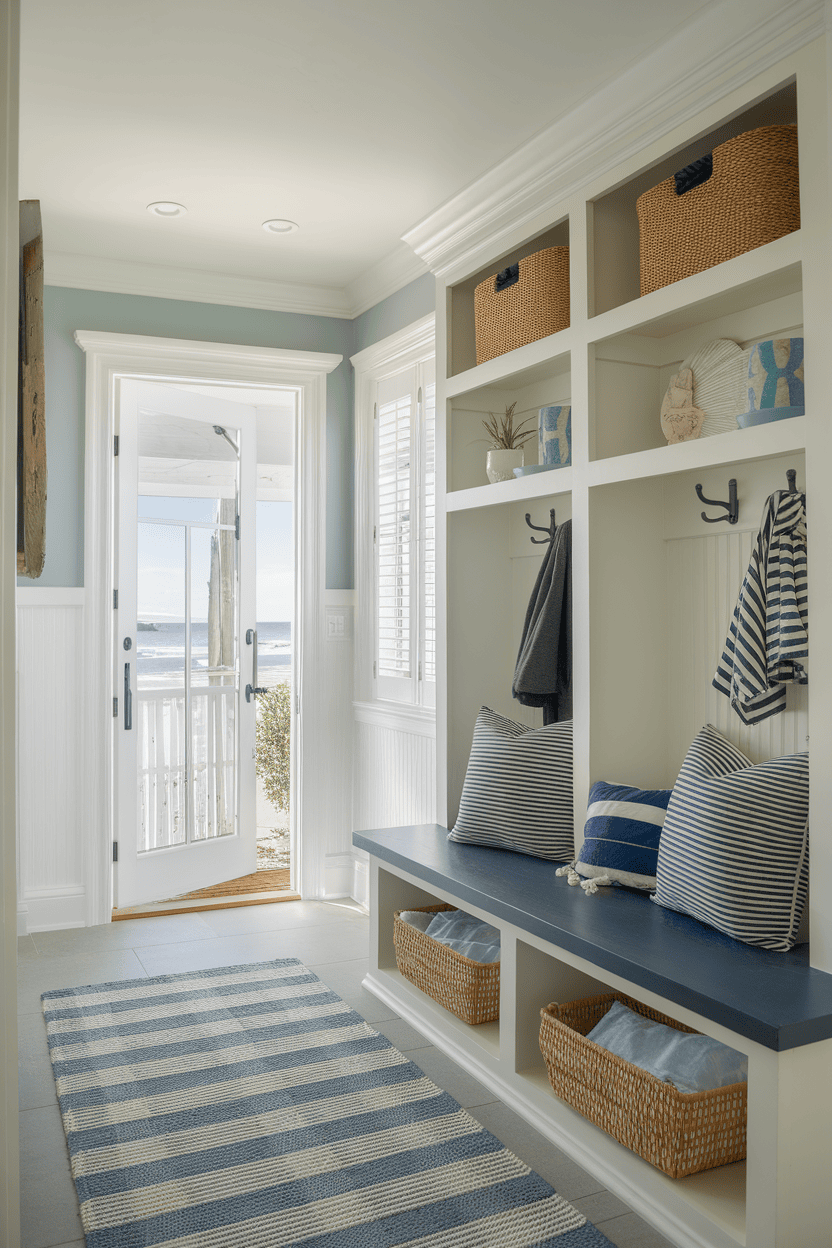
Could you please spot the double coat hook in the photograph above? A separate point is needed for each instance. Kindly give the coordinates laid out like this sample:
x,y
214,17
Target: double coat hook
x,y
541,541
732,507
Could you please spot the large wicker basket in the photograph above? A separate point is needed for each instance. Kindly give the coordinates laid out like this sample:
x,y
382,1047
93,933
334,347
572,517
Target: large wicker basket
x,y
751,197
471,990
679,1132
522,303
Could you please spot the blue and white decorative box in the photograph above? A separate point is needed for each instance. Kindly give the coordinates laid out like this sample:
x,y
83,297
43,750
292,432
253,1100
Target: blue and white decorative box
x,y
554,440
775,382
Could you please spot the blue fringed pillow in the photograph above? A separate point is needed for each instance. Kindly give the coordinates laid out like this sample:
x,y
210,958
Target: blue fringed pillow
x,y
621,836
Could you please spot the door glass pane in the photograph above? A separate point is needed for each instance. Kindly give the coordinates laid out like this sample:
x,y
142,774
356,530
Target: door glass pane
x,y
213,676
160,685
186,653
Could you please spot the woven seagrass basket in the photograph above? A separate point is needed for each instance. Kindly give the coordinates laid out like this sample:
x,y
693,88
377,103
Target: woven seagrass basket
x,y
525,302
678,1132
751,197
471,990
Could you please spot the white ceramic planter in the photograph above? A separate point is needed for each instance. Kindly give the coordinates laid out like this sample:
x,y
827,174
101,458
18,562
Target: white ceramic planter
x,y
500,465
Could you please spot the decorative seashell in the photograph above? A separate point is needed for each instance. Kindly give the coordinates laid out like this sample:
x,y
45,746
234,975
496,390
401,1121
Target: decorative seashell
x,y
720,374
681,420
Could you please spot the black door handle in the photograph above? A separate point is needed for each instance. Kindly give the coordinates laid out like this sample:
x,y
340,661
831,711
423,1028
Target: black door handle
x,y
128,698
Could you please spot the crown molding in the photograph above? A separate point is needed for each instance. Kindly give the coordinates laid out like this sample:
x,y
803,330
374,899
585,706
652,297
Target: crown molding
x,y
734,42
384,278
159,281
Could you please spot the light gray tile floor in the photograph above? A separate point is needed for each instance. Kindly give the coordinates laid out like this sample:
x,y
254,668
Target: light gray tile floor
x,y
331,938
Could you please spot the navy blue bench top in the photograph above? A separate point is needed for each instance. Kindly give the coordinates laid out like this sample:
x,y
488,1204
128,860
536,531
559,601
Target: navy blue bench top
x,y
776,999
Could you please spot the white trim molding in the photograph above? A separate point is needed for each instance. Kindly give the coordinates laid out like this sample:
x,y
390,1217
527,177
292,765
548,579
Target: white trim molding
x,y
398,716
734,43
129,277
111,357
160,281
50,596
9,308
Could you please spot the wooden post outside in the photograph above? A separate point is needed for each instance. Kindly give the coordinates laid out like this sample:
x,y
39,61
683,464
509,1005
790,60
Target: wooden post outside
x,y
31,463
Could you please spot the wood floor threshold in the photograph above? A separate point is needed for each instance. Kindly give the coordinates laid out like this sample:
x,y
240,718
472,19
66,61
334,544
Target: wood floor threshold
x,y
195,907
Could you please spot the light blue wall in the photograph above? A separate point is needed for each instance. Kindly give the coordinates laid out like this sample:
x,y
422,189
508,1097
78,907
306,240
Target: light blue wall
x,y
407,305
66,310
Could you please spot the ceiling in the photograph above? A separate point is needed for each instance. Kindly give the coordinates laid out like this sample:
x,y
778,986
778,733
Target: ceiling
x,y
353,119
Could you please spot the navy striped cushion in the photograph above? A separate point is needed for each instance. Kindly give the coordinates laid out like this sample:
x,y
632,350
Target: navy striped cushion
x,y
621,834
734,850
518,788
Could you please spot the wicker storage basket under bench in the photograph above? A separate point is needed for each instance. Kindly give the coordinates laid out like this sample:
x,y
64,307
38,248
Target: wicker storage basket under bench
x,y
471,990
679,1132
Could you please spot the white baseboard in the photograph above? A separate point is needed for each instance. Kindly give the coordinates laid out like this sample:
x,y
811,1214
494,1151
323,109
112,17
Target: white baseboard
x,y
22,919
361,880
52,909
338,873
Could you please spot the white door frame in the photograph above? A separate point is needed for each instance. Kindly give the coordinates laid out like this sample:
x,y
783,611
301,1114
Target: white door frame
x,y
169,360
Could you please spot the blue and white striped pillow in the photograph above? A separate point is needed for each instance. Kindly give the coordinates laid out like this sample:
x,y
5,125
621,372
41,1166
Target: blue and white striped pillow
x,y
734,850
518,788
621,834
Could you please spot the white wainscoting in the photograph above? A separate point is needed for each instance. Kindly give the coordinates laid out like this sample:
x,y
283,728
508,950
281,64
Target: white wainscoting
x,y
394,777
704,578
334,799
50,759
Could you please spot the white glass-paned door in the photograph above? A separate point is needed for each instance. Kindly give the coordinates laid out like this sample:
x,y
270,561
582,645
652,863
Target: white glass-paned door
x,y
185,730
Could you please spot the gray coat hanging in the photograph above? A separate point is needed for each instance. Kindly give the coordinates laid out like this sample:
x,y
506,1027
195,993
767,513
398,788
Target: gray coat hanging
x,y
543,673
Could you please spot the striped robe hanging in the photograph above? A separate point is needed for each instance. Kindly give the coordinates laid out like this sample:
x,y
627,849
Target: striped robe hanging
x,y
769,631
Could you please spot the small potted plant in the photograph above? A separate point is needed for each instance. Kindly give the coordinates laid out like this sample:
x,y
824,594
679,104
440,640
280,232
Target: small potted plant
x,y
507,444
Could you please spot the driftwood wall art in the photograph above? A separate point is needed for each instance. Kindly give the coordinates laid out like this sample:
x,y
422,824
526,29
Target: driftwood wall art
x,y
31,408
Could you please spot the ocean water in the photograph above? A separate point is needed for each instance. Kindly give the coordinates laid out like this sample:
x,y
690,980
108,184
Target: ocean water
x,y
161,651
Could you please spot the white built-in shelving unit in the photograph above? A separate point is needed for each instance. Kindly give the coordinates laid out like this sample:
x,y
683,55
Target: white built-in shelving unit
x,y
654,587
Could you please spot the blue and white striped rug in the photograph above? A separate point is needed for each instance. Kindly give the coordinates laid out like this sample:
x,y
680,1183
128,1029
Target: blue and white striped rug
x,y
250,1107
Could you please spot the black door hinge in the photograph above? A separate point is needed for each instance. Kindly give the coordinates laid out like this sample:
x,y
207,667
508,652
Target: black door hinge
x,y
237,527
115,851
115,600
115,708
115,444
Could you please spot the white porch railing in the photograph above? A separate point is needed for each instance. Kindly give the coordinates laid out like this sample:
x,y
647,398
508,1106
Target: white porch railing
x,y
163,765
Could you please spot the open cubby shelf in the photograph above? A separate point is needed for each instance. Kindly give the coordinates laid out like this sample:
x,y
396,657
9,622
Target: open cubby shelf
x,y
654,588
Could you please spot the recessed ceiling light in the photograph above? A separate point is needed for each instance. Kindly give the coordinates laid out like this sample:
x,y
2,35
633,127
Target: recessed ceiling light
x,y
165,208
279,225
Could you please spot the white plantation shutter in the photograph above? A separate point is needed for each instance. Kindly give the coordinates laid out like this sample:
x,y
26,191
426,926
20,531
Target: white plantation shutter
x,y
427,555
395,536
405,542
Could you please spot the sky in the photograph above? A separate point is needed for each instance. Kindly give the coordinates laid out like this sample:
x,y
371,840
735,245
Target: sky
x,y
161,559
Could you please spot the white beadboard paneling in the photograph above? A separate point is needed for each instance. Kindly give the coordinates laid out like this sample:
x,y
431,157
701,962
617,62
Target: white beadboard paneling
x,y
50,757
704,578
395,771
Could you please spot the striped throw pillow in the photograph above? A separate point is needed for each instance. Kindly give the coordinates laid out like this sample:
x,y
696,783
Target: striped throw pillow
x,y
734,850
621,834
518,789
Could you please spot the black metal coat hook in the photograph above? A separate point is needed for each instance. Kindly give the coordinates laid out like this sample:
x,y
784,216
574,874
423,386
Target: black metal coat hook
x,y
791,480
541,541
732,507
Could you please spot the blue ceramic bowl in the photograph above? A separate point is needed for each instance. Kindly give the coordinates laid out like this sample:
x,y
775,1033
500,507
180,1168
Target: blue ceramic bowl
x,y
765,416
530,469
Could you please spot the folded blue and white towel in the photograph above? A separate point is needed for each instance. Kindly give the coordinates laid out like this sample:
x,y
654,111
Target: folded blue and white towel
x,y
461,932
692,1063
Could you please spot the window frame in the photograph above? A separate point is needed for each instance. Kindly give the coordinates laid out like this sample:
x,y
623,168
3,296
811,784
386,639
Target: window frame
x,y
412,349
